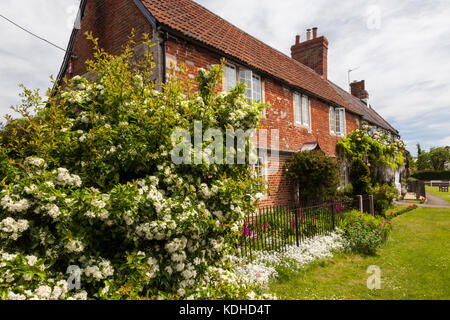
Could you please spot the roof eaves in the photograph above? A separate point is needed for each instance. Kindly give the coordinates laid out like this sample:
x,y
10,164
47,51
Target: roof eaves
x,y
146,13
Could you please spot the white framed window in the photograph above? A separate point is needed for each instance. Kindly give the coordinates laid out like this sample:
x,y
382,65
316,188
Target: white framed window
x,y
256,88
305,111
260,167
261,172
297,109
332,121
337,121
246,77
230,77
302,110
253,83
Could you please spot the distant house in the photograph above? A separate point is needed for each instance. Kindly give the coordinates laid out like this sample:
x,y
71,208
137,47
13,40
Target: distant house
x,y
309,110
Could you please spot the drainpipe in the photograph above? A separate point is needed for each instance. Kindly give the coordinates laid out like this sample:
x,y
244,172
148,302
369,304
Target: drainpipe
x,y
165,37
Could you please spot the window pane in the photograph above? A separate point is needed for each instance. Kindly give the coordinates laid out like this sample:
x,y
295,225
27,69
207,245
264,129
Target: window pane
x,y
342,118
297,108
260,168
305,110
245,76
332,120
256,88
230,77
338,121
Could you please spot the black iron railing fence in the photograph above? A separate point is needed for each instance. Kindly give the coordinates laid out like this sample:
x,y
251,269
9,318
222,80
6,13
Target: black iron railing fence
x,y
274,228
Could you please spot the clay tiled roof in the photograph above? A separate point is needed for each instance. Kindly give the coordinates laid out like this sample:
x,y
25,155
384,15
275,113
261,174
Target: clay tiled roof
x,y
198,23
369,114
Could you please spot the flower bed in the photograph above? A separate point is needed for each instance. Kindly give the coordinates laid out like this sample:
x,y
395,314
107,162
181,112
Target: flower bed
x,y
266,265
396,213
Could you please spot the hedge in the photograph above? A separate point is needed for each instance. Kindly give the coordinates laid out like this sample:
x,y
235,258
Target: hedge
x,y
432,175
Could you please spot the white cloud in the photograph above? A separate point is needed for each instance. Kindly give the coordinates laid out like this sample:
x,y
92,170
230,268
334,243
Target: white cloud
x,y
26,59
445,141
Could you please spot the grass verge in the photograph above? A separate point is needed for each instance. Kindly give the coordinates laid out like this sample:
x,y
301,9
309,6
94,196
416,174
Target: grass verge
x,y
414,265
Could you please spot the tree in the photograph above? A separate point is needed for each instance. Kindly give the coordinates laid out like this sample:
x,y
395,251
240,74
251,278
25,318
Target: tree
x,y
438,157
423,161
434,159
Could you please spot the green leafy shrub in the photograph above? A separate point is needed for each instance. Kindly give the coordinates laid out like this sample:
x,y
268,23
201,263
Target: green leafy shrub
x,y
89,182
383,197
346,194
359,176
318,175
364,232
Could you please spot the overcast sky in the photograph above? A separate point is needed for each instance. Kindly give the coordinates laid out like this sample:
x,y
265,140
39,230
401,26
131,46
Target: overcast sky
x,y
401,48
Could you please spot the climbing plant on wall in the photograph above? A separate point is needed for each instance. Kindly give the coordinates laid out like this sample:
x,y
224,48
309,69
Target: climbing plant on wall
x,y
375,147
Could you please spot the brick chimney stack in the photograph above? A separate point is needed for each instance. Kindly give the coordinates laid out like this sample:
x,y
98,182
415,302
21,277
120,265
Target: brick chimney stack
x,y
313,52
358,89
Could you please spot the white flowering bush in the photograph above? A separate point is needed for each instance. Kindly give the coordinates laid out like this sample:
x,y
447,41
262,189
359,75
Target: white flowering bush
x,y
88,181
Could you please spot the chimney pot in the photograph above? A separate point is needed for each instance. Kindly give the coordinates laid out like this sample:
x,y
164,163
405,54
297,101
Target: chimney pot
x,y
315,32
308,34
297,39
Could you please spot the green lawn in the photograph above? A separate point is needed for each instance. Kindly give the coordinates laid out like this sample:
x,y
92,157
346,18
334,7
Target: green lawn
x,y
435,192
414,263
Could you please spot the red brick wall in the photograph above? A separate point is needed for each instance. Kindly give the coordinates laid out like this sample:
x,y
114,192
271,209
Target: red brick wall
x,y
191,56
280,116
281,187
292,137
111,21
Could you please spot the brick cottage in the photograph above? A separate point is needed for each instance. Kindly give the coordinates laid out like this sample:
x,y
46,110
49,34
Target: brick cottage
x,y
309,111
